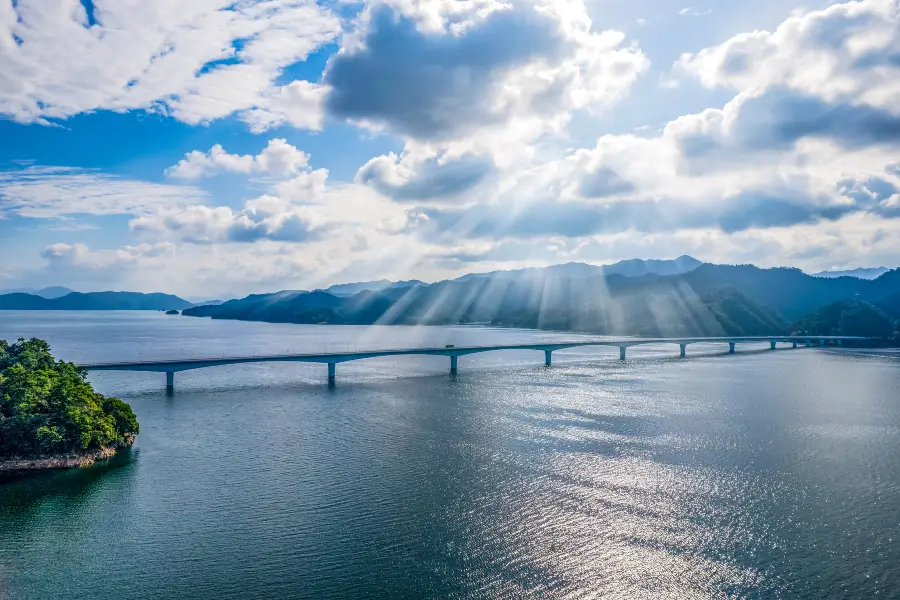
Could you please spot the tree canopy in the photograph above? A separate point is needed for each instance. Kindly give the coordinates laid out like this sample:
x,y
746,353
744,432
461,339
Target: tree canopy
x,y
849,317
48,406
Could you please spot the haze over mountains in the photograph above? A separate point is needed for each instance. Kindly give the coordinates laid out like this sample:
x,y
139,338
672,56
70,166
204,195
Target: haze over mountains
x,y
680,297
704,300
54,291
864,273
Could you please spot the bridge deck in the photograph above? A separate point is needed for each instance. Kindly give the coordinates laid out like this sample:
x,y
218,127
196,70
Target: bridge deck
x,y
172,366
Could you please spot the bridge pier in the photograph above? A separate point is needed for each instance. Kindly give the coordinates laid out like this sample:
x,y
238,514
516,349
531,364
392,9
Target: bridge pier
x,y
808,343
730,347
683,350
839,342
621,352
821,342
772,345
332,375
547,354
453,364
170,382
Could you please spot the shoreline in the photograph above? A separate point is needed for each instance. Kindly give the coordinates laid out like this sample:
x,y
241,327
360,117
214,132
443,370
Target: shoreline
x,y
75,460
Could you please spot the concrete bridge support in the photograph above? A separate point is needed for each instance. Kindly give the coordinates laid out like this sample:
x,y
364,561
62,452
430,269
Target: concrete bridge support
x,y
730,347
170,382
547,354
621,352
683,349
332,374
772,345
453,364
821,342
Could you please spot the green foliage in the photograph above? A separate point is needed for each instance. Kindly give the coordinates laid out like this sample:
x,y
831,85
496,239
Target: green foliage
x,y
849,317
48,406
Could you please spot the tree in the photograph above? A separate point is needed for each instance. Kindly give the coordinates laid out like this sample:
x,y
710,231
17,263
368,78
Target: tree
x,y
847,317
49,407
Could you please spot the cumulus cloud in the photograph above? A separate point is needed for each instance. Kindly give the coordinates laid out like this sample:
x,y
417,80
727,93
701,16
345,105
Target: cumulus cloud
x,y
410,178
524,66
196,60
831,73
53,192
298,210
878,194
81,256
264,218
278,158
845,54
746,210
800,166
604,182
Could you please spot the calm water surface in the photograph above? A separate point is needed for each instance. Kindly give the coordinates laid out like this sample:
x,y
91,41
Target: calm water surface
x,y
758,475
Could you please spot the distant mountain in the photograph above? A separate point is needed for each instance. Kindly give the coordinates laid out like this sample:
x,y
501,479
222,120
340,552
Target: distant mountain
x,y
197,302
708,300
863,273
94,301
628,268
791,292
350,289
54,291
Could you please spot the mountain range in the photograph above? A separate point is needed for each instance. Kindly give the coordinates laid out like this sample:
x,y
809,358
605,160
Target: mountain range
x,y
94,301
706,300
680,297
54,291
864,273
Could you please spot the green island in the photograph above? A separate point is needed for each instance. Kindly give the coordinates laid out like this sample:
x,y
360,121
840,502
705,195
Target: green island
x,y
50,415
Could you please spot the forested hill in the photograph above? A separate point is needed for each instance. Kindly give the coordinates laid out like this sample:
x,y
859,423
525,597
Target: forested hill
x,y
707,301
94,301
861,318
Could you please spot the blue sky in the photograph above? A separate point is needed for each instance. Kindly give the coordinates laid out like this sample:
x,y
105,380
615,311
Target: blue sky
x,y
207,147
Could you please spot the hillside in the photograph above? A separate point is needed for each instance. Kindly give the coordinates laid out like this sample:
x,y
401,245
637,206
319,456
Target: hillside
x,y
54,291
710,300
791,292
634,267
848,317
94,301
614,305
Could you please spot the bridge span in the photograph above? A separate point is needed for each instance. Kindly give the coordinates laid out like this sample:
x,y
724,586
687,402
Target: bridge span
x,y
170,367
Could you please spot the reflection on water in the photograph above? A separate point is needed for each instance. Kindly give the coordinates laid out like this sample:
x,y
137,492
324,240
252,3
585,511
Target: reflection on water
x,y
763,474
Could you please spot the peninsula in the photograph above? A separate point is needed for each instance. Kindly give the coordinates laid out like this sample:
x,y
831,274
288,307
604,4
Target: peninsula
x,y
51,417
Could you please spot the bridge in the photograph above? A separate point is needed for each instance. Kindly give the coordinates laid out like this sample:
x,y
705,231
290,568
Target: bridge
x,y
170,367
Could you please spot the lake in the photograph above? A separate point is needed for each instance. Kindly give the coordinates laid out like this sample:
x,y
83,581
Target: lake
x,y
756,475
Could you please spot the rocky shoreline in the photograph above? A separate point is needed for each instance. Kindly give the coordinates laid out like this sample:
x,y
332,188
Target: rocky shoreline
x,y
17,464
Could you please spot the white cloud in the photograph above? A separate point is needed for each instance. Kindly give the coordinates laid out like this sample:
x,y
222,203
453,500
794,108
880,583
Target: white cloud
x,y
265,218
278,158
299,210
846,53
507,74
196,60
798,168
299,104
693,12
418,175
80,256
53,192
